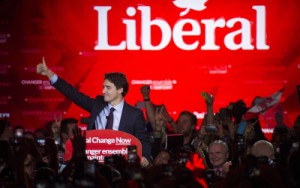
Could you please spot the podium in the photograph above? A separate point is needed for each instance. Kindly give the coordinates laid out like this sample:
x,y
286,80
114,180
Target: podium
x,y
101,143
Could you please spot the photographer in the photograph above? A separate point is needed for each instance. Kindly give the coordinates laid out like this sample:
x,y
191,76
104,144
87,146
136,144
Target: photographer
x,y
257,169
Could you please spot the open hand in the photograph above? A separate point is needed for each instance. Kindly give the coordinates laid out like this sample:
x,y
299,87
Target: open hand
x,y
78,141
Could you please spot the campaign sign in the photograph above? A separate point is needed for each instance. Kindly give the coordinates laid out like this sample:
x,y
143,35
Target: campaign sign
x,y
101,143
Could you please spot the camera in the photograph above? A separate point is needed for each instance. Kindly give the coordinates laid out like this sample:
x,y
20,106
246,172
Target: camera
x,y
89,167
132,154
210,176
211,128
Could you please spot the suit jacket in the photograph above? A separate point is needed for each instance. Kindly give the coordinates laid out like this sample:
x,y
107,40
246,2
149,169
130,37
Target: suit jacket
x,y
132,119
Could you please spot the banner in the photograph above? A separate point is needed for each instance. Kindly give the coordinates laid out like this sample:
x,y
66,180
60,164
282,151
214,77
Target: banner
x,y
233,49
102,143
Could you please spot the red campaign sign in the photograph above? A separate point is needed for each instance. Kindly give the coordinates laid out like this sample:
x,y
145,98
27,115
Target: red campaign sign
x,y
101,143
233,49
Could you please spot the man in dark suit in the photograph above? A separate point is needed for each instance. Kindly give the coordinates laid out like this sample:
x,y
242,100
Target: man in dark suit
x,y
126,118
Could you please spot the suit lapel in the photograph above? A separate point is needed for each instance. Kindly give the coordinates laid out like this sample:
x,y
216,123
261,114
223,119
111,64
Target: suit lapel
x,y
95,112
124,117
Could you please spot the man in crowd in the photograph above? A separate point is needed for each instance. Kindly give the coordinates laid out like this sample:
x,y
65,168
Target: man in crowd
x,y
218,155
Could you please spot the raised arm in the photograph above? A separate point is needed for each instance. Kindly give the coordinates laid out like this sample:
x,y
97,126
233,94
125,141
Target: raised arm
x,y
72,93
209,100
42,69
150,109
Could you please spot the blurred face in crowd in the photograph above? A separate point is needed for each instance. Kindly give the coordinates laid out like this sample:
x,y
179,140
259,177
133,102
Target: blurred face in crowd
x,y
39,135
71,127
55,128
217,155
184,125
65,136
162,158
29,135
111,94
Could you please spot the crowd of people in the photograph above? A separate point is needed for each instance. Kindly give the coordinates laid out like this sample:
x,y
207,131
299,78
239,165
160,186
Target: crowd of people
x,y
227,151
210,157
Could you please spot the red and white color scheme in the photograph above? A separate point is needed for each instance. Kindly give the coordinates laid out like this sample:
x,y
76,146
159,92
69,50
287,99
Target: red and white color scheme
x,y
233,49
263,106
102,143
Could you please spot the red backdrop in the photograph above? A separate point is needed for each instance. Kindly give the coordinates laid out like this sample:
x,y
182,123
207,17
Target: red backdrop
x,y
67,32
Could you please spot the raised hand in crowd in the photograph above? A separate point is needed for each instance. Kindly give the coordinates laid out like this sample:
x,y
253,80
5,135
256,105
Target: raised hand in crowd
x,y
160,121
25,158
150,108
20,152
54,128
145,91
209,100
231,127
169,119
208,125
51,153
79,143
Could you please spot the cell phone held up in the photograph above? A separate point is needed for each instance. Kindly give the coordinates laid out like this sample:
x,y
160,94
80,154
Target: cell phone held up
x,y
41,141
132,154
211,128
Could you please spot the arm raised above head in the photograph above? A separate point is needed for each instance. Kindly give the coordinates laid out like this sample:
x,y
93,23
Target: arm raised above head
x,y
43,69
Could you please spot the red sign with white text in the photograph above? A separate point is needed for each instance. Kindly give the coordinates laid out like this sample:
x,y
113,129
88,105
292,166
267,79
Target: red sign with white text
x,y
233,49
101,143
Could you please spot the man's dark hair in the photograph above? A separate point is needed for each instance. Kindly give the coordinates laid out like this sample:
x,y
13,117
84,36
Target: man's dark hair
x,y
238,110
64,124
119,80
192,116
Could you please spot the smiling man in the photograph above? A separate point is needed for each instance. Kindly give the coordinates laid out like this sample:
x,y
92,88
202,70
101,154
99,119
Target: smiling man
x,y
218,155
107,111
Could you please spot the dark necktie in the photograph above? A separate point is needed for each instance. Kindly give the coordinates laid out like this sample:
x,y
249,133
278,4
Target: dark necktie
x,y
110,119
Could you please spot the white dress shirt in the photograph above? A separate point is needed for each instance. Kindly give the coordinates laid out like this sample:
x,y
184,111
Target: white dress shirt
x,y
101,119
